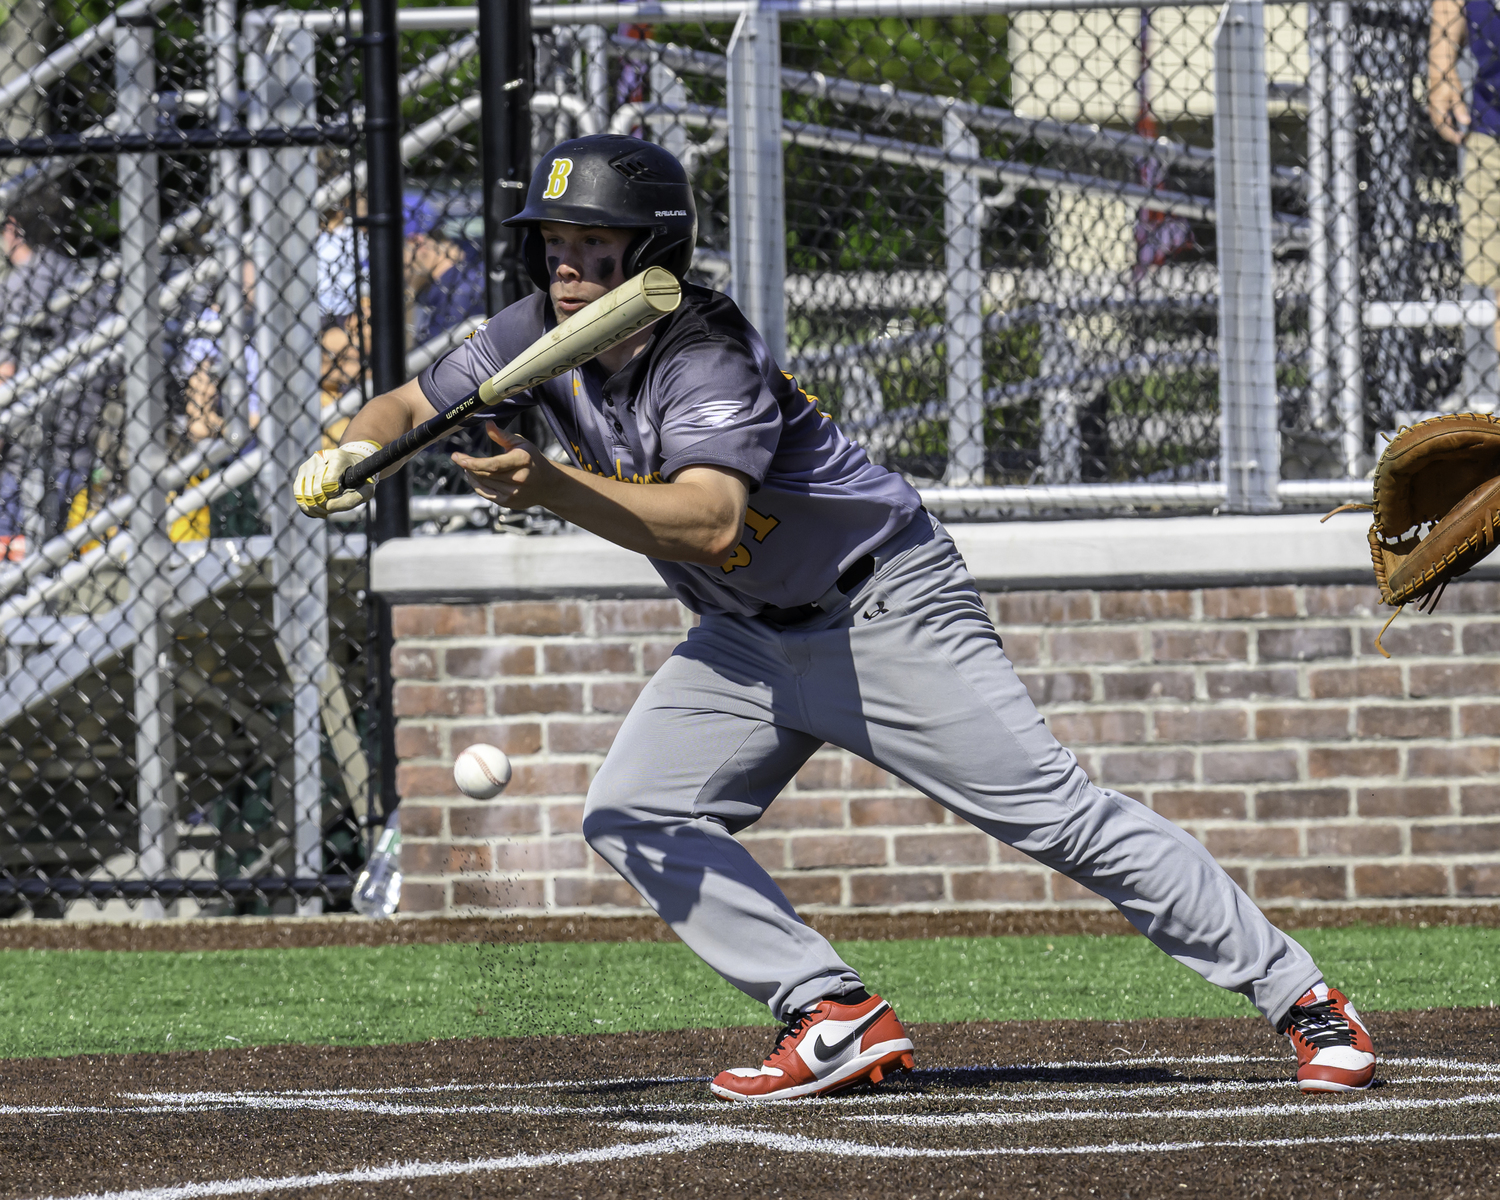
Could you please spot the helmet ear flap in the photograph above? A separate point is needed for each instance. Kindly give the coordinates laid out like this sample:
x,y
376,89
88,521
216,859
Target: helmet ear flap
x,y
636,252
656,248
534,255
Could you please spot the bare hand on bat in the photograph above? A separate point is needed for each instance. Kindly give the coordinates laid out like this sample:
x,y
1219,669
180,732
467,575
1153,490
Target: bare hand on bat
x,y
520,476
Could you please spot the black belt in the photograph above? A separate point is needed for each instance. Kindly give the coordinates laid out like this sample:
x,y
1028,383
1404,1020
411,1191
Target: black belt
x,y
858,572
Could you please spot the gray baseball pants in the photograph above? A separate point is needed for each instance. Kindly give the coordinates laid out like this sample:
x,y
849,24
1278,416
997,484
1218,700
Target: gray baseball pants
x,y
908,673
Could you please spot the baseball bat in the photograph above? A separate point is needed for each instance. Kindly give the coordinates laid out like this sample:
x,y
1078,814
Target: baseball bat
x,y
638,302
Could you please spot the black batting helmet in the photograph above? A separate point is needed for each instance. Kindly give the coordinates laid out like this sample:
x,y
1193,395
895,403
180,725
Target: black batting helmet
x,y
612,181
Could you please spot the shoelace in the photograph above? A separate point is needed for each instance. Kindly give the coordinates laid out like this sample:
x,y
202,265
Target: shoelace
x,y
1321,1026
790,1030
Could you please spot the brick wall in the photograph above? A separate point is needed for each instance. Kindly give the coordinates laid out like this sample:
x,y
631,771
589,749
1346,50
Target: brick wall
x,y
1263,720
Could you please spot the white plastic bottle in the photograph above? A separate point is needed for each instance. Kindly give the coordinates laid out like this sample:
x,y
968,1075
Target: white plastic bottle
x,y
377,891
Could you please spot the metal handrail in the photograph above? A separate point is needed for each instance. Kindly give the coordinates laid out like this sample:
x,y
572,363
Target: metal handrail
x,y
64,58
57,363
58,551
976,116
1119,495
933,158
663,12
78,375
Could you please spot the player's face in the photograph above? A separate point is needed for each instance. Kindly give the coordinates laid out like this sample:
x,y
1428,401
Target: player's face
x,y
583,263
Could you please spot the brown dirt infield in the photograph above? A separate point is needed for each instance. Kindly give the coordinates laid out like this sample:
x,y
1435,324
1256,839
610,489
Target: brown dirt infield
x,y
1145,1108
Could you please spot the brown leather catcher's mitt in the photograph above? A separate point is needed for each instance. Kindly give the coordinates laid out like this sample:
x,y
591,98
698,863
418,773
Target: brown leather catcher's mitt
x,y
1437,500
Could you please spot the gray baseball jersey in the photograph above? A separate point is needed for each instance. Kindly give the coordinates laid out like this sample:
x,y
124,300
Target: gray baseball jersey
x,y
705,392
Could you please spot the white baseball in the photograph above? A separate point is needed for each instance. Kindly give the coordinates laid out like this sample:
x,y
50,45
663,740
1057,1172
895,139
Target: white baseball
x,y
482,771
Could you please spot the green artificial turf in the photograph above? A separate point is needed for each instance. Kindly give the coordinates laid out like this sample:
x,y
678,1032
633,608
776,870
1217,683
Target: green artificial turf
x,y
71,1002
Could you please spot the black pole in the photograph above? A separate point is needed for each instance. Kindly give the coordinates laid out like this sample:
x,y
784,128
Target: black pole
x,y
387,348
505,85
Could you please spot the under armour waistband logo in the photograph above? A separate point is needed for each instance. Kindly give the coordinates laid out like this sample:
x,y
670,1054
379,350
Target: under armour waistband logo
x,y
878,609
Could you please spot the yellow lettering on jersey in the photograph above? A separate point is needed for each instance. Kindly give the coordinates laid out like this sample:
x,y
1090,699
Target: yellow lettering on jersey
x,y
760,523
740,558
619,472
557,181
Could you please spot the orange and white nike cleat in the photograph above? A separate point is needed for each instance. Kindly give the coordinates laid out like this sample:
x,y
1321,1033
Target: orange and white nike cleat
x,y
831,1046
1334,1050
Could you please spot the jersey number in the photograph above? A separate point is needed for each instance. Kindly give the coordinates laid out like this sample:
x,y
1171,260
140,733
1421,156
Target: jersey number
x,y
760,525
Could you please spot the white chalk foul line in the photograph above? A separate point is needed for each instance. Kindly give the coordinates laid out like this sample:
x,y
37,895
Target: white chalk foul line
x,y
281,1102
687,1138
1449,1064
346,1100
397,1172
920,1073
468,1087
1300,1109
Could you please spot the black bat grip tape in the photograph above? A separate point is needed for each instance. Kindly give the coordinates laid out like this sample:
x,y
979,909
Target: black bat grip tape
x,y
408,443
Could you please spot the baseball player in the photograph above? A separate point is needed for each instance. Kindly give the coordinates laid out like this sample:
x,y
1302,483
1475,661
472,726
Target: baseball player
x,y
833,609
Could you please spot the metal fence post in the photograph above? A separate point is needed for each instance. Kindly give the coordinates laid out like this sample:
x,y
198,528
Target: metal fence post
x,y
1347,320
387,354
505,83
1250,445
1061,449
757,203
963,217
1391,218
286,300
594,41
667,87
234,387
145,443
1319,374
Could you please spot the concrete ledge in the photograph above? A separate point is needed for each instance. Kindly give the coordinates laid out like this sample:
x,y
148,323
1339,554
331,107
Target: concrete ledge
x,y
1178,552
464,568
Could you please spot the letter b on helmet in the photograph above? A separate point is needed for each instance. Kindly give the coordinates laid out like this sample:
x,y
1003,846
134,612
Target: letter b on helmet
x,y
557,179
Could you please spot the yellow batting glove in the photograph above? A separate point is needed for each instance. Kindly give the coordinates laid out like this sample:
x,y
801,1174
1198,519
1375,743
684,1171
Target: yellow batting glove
x,y
317,489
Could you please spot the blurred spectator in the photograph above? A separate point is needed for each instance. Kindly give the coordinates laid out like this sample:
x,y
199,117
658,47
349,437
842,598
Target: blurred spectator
x,y
445,279
200,368
343,363
1473,125
49,461
444,275
343,255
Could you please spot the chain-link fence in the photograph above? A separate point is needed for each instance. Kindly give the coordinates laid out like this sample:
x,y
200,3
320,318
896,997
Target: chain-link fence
x,y
1002,231
1042,261
181,722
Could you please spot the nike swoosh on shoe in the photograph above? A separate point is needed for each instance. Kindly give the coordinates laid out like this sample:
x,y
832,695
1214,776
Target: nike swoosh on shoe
x,y
828,1051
